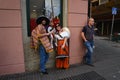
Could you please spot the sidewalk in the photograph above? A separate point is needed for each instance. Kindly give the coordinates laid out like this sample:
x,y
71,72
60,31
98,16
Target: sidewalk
x,y
106,59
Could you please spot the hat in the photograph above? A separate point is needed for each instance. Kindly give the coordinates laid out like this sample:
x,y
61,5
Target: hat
x,y
56,21
40,19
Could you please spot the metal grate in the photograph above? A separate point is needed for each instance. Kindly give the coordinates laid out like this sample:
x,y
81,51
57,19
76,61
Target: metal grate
x,y
85,76
22,76
37,76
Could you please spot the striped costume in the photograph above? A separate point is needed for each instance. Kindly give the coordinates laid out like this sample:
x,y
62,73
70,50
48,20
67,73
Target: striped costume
x,y
36,41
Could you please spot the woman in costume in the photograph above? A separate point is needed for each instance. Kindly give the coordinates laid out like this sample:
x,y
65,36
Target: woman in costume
x,y
62,56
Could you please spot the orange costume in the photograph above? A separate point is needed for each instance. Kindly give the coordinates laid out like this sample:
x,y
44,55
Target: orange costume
x,y
62,56
43,40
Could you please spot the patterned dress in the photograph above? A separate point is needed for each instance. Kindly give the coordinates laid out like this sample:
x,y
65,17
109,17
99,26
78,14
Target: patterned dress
x,y
62,56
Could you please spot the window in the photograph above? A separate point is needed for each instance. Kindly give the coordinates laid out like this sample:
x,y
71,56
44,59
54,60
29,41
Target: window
x,y
37,8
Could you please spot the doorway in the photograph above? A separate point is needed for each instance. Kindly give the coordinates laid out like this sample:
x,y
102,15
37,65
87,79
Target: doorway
x,y
35,9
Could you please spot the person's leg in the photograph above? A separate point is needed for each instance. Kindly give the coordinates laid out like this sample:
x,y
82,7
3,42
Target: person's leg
x,y
42,59
46,57
92,44
66,63
59,63
89,52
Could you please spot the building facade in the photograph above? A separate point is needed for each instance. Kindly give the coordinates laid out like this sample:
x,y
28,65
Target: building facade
x,y
103,16
16,56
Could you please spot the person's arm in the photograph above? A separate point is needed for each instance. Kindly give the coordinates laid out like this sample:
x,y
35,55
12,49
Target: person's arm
x,y
83,36
43,34
56,40
65,41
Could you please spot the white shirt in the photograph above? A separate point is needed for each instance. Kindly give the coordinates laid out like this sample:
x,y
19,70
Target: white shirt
x,y
63,34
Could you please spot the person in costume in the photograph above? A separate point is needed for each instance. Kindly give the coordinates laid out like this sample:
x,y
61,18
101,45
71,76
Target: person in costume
x,y
62,56
52,30
40,42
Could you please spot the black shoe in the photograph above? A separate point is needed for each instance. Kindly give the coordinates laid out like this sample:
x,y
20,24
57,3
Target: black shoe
x,y
90,65
44,72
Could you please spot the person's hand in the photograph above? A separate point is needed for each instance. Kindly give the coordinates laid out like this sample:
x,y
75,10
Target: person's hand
x,y
38,35
36,48
85,40
47,34
52,31
63,46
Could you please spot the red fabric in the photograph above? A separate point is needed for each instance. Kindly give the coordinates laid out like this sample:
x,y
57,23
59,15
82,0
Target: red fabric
x,y
32,24
56,21
62,62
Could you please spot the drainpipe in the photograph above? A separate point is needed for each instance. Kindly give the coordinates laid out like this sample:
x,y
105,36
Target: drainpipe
x,y
89,8
65,13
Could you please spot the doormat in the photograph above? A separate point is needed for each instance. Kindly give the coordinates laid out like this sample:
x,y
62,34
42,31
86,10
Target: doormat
x,y
85,76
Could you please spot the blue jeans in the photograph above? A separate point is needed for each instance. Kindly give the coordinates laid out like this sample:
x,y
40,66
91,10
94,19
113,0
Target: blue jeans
x,y
43,58
88,56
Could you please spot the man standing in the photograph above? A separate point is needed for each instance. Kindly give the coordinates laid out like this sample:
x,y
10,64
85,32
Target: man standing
x,y
41,42
87,36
